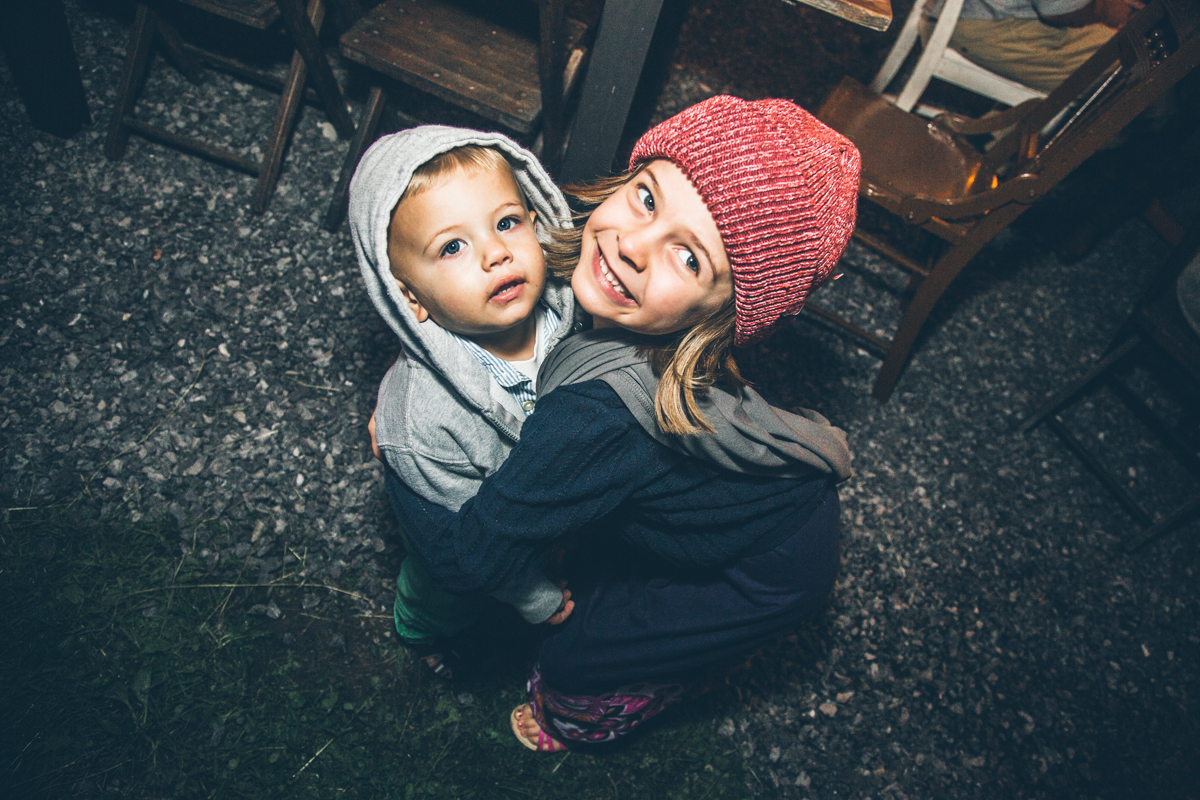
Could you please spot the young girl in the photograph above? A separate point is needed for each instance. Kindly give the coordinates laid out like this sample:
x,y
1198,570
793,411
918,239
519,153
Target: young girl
x,y
710,518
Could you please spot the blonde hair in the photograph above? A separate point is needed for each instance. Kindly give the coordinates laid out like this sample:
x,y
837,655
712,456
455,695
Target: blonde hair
x,y
690,361
473,159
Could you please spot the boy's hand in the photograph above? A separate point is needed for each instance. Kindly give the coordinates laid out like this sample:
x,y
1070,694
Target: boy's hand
x,y
564,611
371,429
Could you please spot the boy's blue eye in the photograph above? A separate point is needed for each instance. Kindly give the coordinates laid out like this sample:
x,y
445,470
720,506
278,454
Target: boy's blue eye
x,y
646,198
507,224
452,247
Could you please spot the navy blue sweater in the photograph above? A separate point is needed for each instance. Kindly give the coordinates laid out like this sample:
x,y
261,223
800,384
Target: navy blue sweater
x,y
584,464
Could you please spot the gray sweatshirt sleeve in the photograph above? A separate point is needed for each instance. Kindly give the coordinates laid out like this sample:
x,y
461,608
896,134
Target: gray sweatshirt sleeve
x,y
440,450
534,595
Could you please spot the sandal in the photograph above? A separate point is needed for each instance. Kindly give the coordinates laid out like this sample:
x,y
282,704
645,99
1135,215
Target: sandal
x,y
545,743
438,657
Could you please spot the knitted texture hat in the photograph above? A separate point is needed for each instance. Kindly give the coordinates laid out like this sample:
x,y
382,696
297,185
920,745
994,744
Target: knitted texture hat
x,y
782,188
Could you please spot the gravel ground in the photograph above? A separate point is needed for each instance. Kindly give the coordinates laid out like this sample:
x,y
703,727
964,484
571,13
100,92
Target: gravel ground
x,y
165,350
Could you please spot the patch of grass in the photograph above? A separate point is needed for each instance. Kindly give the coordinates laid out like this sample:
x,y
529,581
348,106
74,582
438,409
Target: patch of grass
x,y
127,672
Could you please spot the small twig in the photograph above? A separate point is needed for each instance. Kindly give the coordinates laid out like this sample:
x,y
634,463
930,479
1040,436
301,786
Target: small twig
x,y
221,610
64,766
206,520
346,592
300,585
314,758
408,715
23,749
560,763
445,750
314,386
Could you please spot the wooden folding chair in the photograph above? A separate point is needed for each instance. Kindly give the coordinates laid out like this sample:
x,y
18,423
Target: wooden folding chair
x,y
929,175
1157,325
308,61
442,48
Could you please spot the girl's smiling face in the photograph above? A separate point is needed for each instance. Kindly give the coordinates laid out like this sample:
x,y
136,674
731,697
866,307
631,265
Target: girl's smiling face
x,y
652,259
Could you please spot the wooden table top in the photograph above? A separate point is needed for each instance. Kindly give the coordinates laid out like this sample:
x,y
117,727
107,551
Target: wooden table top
x,y
874,14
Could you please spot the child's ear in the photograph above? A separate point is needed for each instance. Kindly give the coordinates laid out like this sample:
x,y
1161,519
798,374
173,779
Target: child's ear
x,y
413,302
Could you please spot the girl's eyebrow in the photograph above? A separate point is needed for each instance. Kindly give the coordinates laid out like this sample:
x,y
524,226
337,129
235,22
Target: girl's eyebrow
x,y
650,174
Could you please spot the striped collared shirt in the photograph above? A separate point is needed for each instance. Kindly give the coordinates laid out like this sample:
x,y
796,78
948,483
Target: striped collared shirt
x,y
515,382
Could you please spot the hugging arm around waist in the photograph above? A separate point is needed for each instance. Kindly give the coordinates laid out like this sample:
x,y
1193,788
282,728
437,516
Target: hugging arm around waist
x,y
576,462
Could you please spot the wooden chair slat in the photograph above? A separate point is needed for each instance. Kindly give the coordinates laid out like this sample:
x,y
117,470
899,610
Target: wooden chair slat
x,y
252,13
308,63
453,56
475,63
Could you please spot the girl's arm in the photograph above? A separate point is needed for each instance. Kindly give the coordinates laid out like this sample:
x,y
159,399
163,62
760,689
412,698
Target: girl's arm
x,y
580,456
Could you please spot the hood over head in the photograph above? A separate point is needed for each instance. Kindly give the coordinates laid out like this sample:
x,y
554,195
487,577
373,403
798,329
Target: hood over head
x,y
380,180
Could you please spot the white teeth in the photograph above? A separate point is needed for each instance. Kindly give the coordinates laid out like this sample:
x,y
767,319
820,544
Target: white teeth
x,y
612,279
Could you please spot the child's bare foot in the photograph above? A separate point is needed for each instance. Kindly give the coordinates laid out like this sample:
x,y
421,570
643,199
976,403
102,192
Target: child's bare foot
x,y
530,734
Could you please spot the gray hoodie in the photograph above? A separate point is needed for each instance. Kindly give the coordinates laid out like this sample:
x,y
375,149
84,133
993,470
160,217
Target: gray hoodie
x,y
442,421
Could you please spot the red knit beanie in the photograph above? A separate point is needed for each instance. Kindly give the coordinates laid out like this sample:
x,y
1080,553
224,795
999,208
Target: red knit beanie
x,y
782,188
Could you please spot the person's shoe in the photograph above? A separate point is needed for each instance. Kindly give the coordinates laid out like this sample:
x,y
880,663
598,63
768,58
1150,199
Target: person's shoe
x,y
544,742
440,657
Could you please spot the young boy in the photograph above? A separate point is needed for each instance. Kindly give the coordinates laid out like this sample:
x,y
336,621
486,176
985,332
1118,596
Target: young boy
x,y
445,222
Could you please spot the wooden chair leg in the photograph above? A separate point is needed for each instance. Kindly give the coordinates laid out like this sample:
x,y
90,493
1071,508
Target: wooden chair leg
x,y
944,271
285,117
137,59
179,57
622,42
1164,223
304,36
551,63
917,311
1069,393
363,137
1165,525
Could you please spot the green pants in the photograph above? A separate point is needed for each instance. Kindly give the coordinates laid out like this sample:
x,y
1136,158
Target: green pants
x,y
426,611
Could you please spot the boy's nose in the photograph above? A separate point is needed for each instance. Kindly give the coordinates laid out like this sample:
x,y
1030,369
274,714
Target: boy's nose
x,y
495,253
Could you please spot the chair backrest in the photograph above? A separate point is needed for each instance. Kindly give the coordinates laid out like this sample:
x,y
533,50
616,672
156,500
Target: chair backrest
x,y
938,60
479,56
1157,47
1047,139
